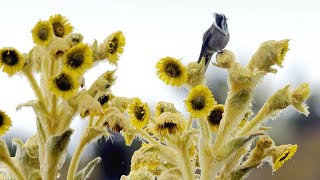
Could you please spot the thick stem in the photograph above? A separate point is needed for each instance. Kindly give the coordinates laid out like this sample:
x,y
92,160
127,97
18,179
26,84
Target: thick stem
x,y
14,169
205,155
54,99
205,131
76,159
51,171
184,163
255,122
189,123
65,123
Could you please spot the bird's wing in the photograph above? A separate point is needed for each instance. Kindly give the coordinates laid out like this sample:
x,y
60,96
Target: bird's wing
x,y
206,38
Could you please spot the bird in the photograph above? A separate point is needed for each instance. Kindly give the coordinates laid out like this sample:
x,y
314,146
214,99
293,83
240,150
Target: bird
x,y
215,39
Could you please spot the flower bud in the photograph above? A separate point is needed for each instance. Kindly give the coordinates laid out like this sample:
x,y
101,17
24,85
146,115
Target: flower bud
x,y
196,74
269,53
225,59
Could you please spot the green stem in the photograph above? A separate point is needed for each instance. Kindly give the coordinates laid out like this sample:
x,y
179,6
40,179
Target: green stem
x,y
36,89
255,122
205,131
76,159
54,99
51,171
14,169
147,137
189,123
205,155
65,123
185,163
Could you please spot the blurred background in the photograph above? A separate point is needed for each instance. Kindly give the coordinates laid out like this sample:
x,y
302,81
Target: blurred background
x,y
155,29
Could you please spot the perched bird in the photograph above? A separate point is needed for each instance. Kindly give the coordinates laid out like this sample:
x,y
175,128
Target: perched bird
x,y
215,38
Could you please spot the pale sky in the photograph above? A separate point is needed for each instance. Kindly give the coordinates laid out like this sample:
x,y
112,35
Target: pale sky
x,y
155,29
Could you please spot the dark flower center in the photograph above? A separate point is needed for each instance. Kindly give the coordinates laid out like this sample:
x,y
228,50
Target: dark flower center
x,y
1,119
43,34
63,82
169,125
76,60
139,112
215,116
58,29
10,57
284,157
113,45
172,69
198,103
103,99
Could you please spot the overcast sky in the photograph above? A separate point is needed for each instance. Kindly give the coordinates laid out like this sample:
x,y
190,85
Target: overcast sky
x,y
155,29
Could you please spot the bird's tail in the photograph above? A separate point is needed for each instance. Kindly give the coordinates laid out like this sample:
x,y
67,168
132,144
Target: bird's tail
x,y
207,59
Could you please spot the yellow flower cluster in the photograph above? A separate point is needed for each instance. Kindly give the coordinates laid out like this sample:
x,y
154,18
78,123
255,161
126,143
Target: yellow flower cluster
x,y
61,59
175,147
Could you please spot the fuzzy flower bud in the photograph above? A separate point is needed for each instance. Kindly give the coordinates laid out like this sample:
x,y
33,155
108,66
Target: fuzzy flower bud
x,y
115,120
269,53
284,97
162,107
299,96
225,59
58,46
74,38
196,74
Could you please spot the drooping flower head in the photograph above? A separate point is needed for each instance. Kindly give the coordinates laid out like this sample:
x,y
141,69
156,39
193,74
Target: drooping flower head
x,y
139,113
64,85
215,117
5,123
169,123
42,33
60,24
171,71
281,154
104,98
200,101
78,59
113,46
11,60
115,120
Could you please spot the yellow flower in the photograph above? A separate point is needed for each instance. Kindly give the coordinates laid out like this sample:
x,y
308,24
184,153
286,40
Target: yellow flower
x,y
11,60
64,85
42,33
169,124
78,59
162,107
215,117
200,101
60,24
113,46
171,71
282,155
139,113
5,123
